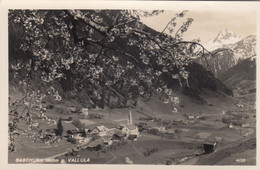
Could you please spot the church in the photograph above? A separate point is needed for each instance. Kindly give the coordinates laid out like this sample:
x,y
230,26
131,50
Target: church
x,y
130,128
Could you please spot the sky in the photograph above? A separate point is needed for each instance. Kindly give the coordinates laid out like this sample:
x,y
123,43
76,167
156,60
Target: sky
x,y
207,24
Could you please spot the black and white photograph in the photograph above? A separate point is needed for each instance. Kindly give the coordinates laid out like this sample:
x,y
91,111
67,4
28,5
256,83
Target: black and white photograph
x,y
132,86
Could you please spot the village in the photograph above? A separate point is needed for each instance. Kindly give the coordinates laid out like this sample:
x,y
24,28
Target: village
x,y
124,136
95,138
101,137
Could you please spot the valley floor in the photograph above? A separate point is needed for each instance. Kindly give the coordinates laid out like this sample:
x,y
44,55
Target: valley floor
x,y
236,139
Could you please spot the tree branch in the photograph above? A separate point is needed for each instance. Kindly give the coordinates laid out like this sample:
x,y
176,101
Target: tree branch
x,y
88,24
100,51
111,48
164,28
125,23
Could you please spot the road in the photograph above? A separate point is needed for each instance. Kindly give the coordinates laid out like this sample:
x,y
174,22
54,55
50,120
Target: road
x,y
114,157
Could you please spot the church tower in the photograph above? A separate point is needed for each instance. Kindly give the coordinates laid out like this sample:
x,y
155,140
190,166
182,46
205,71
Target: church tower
x,y
130,119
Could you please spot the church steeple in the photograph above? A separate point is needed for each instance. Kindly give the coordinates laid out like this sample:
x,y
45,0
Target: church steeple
x,y
130,119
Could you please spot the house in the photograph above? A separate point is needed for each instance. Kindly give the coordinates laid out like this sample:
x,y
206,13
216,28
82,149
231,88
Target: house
x,y
178,122
209,147
73,131
191,117
241,160
101,130
230,126
239,105
160,129
87,130
219,139
111,132
245,125
72,109
169,131
128,160
35,124
67,120
94,116
153,130
107,141
95,145
78,137
116,137
132,137
84,111
130,130
49,133
192,122
83,140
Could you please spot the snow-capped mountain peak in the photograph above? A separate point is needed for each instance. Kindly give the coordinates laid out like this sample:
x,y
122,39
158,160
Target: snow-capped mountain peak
x,y
227,36
223,38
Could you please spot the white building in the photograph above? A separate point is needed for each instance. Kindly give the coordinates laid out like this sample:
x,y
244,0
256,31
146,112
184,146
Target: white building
x,y
85,111
130,129
240,105
191,117
245,125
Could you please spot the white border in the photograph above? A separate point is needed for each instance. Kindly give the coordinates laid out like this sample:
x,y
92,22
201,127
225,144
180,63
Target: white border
x,y
82,4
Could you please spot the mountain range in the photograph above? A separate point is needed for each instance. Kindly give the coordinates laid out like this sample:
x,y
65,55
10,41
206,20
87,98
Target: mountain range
x,y
228,49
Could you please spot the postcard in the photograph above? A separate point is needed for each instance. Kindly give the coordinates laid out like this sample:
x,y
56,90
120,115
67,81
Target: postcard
x,y
129,84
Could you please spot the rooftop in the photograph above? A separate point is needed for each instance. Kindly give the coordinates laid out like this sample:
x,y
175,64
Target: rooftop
x,y
101,128
131,127
95,143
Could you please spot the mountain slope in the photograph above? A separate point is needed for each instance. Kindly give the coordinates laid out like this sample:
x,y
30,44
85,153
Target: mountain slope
x,y
200,82
240,74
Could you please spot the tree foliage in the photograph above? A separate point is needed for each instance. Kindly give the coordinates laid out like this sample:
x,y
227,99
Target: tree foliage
x,y
96,54
99,52
59,131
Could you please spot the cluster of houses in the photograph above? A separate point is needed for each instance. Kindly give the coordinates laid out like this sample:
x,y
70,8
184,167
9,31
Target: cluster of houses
x,y
192,117
49,121
48,136
243,125
240,105
100,136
